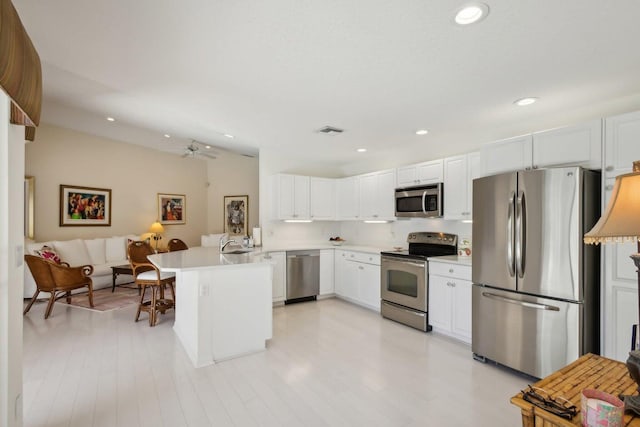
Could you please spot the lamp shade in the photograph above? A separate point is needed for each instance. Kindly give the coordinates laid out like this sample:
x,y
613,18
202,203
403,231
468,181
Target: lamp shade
x,y
157,228
621,220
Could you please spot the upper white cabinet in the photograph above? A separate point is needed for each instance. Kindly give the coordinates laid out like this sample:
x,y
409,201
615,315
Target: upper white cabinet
x,y
322,198
420,174
507,155
579,145
622,143
377,195
348,196
291,197
459,173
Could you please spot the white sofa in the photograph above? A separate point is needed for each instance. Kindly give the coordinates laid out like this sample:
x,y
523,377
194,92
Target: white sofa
x,y
101,253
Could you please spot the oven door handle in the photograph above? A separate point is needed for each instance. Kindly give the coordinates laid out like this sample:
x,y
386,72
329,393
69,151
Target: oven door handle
x,y
399,261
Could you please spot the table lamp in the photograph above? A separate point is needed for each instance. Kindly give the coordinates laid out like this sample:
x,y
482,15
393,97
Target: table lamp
x,y
157,229
620,223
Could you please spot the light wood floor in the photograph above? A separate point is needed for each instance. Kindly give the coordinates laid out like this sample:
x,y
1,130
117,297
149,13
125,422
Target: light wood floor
x,y
330,363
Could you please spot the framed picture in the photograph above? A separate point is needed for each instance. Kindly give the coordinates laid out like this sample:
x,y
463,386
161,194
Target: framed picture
x,y
84,206
172,208
236,215
29,206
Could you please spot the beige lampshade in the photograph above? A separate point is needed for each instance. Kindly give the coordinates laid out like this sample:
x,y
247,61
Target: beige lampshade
x,y
621,220
156,228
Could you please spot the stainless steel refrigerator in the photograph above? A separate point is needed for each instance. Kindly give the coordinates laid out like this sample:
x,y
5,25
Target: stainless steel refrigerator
x,y
535,301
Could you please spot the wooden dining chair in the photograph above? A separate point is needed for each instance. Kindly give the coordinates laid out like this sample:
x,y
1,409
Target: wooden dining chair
x,y
57,279
148,276
177,245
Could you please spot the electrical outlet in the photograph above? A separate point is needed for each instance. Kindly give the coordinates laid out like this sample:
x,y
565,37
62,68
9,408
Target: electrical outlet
x,y
204,290
19,255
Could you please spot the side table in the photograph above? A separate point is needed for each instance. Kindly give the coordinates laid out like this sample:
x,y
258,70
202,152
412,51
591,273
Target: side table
x,y
589,371
116,270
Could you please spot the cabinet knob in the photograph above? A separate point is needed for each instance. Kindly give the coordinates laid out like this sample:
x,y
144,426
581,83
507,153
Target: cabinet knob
x,y
375,216
452,284
609,187
535,166
352,255
451,270
609,168
361,267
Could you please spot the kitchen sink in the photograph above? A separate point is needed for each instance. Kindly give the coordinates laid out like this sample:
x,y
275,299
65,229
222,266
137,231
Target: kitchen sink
x,y
237,252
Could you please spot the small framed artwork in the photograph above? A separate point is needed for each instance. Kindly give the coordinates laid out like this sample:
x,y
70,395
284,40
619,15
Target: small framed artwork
x,y
84,206
236,215
172,208
29,206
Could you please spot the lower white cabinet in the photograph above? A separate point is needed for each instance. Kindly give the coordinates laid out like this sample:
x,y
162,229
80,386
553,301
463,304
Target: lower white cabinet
x,y
279,284
357,278
326,272
450,299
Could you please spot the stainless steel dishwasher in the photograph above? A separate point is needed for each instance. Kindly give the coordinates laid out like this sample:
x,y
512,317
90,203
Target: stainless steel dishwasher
x,y
303,275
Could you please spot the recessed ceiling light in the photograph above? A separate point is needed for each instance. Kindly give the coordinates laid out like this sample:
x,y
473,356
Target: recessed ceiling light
x,y
208,147
525,101
422,132
471,13
166,135
229,135
361,150
111,119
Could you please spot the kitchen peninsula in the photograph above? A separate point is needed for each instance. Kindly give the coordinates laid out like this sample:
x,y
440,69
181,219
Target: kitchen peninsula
x,y
224,306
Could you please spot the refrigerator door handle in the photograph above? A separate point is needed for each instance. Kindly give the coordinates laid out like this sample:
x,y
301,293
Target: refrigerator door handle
x,y
521,242
522,303
510,242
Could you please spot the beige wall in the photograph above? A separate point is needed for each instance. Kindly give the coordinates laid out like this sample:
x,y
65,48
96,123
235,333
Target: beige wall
x,y
133,173
232,175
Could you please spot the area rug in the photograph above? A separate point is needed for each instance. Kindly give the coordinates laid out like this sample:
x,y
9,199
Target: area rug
x,y
104,299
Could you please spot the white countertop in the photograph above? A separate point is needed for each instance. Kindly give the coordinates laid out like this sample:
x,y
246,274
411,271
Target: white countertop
x,y
451,259
323,245
200,257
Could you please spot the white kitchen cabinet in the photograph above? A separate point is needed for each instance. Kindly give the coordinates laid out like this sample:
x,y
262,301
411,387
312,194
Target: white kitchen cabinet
x,y
450,299
579,145
622,143
619,286
327,272
506,155
377,195
459,173
290,197
358,278
322,198
279,283
348,198
424,173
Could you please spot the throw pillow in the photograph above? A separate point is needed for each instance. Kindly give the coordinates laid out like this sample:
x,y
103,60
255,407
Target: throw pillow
x,y
48,253
73,252
115,249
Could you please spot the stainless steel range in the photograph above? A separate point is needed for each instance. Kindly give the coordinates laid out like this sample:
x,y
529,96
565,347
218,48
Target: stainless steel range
x,y
404,278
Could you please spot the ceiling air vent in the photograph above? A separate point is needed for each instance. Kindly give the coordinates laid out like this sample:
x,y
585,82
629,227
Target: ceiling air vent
x,y
330,130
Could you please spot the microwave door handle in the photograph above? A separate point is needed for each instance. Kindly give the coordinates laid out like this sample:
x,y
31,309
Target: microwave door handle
x,y
510,237
424,197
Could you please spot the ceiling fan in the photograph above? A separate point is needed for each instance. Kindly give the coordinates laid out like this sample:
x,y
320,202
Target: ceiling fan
x,y
193,150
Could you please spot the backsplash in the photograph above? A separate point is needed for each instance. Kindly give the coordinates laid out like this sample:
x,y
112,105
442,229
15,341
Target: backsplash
x,y
360,233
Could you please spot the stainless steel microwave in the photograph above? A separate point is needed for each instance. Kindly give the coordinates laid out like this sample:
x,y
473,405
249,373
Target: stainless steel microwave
x,y
425,201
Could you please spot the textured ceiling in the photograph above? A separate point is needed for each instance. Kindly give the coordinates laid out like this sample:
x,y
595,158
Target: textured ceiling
x,y
273,72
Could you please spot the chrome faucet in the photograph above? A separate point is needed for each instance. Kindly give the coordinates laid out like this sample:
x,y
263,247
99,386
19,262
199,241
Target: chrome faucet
x,y
224,244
